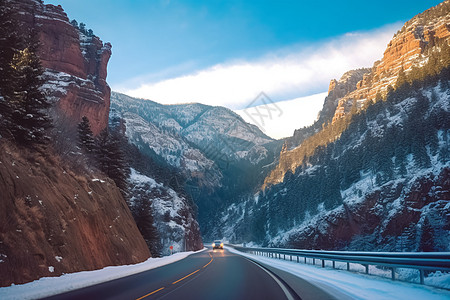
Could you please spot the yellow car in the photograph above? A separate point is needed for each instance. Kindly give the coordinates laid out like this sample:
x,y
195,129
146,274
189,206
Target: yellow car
x,y
217,245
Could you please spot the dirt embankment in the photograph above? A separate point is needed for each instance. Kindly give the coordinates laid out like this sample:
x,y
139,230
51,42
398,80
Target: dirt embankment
x,y
55,221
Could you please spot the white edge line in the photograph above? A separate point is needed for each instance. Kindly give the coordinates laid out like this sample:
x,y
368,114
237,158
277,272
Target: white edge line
x,y
282,285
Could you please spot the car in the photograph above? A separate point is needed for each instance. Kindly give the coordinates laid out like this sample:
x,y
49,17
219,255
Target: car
x,y
217,245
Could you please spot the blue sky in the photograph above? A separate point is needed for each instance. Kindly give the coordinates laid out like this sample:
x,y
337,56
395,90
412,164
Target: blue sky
x,y
225,52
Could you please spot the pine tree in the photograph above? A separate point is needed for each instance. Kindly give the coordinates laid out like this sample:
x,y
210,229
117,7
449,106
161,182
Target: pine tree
x,y
401,79
10,44
143,216
111,158
29,104
85,136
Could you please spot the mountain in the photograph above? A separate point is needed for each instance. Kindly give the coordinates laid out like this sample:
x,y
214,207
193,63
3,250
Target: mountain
x,y
152,128
75,62
58,213
408,51
218,154
416,49
374,175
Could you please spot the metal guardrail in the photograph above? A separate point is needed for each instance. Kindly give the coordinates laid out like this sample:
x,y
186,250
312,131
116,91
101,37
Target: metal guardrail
x,y
422,261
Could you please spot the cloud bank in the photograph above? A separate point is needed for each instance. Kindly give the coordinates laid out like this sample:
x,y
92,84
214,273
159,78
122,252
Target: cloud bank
x,y
286,74
293,114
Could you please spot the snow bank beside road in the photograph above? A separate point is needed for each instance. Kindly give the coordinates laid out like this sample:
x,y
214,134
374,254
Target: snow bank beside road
x,y
49,286
356,286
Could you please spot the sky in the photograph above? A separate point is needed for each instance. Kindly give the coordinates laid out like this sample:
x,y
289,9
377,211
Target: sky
x,y
226,52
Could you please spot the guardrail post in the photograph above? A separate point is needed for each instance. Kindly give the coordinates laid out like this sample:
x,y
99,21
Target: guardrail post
x,y
323,263
421,275
393,273
314,261
297,259
334,264
367,269
348,266
305,260
291,257
284,256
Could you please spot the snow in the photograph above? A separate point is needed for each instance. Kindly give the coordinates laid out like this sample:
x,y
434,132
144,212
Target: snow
x,y
357,286
48,286
96,179
138,178
170,210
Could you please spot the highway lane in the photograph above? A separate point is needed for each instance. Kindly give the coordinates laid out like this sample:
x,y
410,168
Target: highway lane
x,y
211,274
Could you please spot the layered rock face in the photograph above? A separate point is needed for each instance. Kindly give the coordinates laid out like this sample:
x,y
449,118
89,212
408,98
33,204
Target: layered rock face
x,y
409,49
55,221
336,90
404,52
75,63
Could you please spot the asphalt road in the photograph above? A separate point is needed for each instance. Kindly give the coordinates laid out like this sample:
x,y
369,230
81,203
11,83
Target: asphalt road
x,y
210,274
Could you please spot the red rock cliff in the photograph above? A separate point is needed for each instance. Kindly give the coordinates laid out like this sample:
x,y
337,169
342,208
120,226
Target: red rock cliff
x,y
76,64
55,221
405,51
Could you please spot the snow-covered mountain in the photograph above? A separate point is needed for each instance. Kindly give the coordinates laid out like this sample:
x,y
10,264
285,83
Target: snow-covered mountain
x,y
214,149
383,185
210,128
375,174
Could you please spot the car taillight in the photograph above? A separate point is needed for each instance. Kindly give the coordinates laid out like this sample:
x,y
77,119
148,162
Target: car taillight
x,y
213,244
221,245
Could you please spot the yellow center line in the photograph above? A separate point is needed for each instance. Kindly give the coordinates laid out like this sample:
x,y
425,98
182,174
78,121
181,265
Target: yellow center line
x,y
185,277
155,291
150,293
209,261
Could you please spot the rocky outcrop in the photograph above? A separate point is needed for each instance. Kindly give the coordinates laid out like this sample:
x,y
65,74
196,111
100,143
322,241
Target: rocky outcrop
x,y
173,215
338,89
55,221
407,49
75,63
417,221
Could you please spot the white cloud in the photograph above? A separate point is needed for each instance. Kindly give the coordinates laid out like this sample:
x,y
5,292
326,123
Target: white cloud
x,y
294,114
288,74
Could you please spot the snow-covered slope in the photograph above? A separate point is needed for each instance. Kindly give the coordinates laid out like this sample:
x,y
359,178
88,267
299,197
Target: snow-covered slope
x,y
172,147
382,185
173,216
211,129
